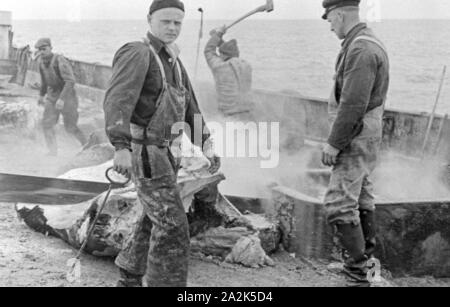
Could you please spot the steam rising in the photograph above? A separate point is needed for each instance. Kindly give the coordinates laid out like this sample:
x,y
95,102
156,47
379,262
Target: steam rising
x,y
398,179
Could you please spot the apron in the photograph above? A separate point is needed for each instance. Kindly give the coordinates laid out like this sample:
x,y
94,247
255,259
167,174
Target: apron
x,y
373,120
54,83
151,145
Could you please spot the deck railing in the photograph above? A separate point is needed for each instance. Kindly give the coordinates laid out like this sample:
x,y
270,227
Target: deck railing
x,y
300,117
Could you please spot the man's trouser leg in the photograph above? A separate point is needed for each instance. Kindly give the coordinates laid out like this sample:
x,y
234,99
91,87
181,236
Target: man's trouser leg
x,y
132,260
70,115
159,249
167,262
349,181
49,121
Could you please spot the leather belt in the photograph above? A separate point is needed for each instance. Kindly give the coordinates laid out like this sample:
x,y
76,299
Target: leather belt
x,y
149,141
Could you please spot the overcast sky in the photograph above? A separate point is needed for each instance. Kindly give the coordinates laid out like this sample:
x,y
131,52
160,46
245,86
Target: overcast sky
x,y
216,9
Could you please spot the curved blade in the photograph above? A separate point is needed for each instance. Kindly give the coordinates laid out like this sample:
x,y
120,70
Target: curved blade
x,y
47,191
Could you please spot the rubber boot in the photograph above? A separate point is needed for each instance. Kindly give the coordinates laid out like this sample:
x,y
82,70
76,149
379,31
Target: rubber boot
x,y
368,225
128,280
355,268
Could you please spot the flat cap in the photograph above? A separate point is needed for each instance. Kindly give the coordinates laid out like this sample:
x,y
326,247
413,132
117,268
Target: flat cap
x,y
164,4
43,42
330,5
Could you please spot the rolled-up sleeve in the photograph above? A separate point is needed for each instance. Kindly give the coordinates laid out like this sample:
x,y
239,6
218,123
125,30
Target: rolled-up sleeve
x,y
130,67
359,79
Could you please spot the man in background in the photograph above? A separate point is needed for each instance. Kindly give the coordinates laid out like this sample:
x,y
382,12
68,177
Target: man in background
x,y
57,95
232,75
356,108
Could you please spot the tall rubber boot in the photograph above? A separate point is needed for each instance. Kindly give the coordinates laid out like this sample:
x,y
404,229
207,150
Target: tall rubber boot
x,y
355,268
128,280
368,224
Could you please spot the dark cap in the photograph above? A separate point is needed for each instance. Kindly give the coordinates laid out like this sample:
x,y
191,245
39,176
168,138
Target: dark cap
x,y
43,42
230,49
330,5
164,4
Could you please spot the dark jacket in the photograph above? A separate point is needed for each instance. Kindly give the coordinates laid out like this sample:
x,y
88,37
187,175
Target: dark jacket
x,y
361,85
57,79
134,88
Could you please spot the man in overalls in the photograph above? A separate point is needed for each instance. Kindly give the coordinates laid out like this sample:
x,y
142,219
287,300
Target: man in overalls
x,y
149,93
57,95
232,74
356,110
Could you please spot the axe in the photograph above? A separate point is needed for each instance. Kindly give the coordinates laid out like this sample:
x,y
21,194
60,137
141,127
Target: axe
x,y
268,7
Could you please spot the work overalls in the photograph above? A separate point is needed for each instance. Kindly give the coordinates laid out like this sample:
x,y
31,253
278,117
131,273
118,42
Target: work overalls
x,y
51,115
161,237
350,189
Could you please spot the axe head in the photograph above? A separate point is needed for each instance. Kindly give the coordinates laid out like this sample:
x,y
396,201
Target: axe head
x,y
200,10
269,6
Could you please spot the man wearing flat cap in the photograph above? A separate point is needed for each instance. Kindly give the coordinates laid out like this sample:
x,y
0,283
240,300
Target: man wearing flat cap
x,y
232,75
57,94
148,95
356,108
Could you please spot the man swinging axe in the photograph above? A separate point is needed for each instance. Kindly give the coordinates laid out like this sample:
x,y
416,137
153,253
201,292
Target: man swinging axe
x,y
148,94
232,74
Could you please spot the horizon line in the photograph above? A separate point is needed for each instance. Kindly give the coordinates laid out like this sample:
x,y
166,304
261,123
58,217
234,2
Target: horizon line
x,y
209,19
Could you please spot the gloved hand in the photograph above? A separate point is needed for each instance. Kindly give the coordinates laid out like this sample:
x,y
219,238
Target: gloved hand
x,y
219,31
59,105
41,101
